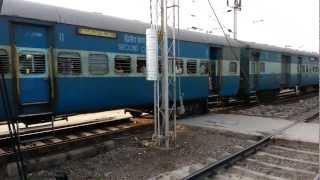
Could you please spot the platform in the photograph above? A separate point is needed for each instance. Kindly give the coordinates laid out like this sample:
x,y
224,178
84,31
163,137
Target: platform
x,y
74,120
252,125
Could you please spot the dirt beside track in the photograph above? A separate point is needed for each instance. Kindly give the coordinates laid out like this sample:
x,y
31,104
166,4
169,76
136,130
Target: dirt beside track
x,y
291,111
134,156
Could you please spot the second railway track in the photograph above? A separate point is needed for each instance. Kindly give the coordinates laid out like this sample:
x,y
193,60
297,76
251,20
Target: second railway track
x,y
283,98
37,144
267,159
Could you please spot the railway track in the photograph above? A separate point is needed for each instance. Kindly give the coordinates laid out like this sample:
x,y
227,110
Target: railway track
x,y
35,143
265,159
37,139
283,98
276,161
42,143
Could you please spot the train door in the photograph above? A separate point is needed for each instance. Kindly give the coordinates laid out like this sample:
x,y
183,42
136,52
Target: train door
x,y
254,74
299,71
31,65
215,69
285,71
214,76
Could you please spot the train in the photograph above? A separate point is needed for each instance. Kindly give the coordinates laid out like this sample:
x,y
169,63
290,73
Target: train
x,y
58,61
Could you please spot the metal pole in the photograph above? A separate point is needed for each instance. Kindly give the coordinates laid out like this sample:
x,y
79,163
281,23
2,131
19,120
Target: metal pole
x,y
174,72
318,80
235,23
165,79
158,111
155,108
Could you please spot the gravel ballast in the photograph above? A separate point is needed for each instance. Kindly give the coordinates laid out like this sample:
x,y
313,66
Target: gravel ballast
x,y
134,156
289,111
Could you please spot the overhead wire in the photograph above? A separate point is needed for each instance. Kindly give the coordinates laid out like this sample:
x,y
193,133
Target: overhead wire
x,y
226,37
223,31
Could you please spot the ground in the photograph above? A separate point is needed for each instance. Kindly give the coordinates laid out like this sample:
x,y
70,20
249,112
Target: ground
x,y
132,159
289,111
135,157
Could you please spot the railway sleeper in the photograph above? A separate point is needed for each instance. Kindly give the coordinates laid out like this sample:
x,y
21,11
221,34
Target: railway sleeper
x,y
53,160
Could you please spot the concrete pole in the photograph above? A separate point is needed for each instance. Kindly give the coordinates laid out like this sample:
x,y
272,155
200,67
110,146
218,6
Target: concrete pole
x,y
165,74
235,23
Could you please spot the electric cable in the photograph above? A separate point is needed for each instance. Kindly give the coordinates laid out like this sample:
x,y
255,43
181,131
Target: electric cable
x,y
226,37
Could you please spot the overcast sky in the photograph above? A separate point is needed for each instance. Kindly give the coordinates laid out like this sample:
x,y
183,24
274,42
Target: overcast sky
x,y
293,23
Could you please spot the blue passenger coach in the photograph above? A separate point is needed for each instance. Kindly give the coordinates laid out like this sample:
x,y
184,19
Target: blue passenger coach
x,y
62,61
266,70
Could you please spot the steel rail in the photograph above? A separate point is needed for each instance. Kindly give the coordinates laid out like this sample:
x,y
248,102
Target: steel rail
x,y
283,98
212,168
62,129
79,139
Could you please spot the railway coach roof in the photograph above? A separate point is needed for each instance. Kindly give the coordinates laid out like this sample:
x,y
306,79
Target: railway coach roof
x,y
31,10
278,49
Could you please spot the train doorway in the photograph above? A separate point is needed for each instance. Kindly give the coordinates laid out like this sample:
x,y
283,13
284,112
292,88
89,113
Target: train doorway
x,y
215,69
31,64
254,69
299,73
285,71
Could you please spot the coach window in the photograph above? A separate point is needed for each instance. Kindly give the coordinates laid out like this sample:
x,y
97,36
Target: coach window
x,y
98,64
69,63
253,68
179,66
141,64
262,67
233,67
122,64
302,68
32,63
192,67
160,66
204,68
4,61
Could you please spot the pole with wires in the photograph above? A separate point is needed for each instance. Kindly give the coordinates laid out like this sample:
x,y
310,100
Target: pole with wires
x,y
236,7
223,31
235,23
165,105
237,57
